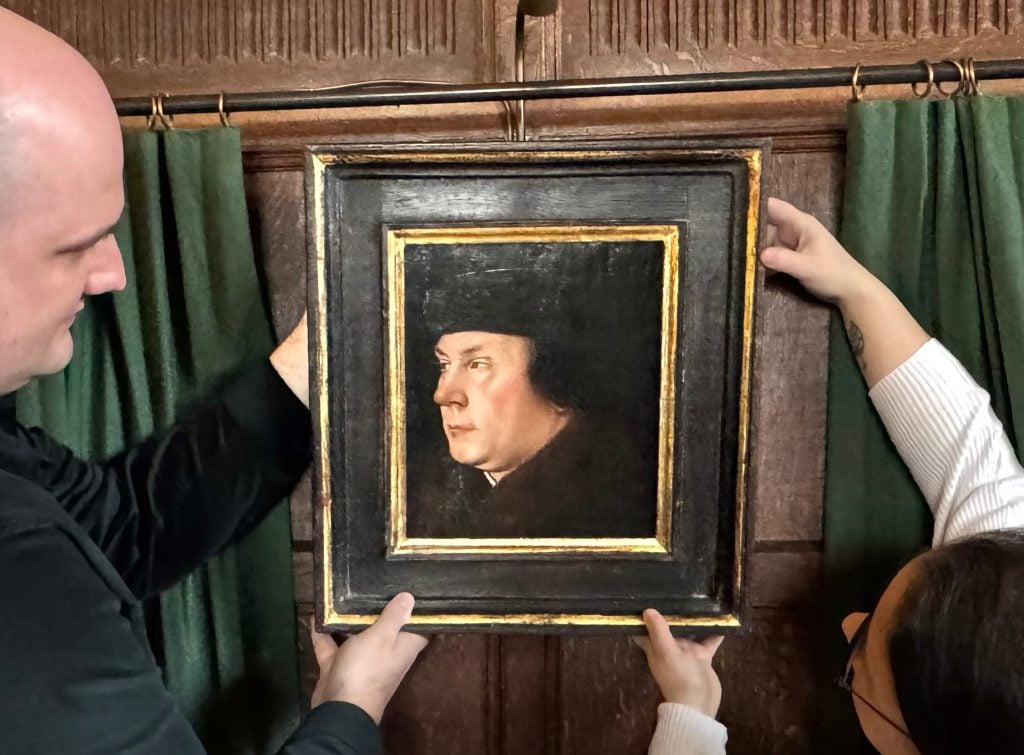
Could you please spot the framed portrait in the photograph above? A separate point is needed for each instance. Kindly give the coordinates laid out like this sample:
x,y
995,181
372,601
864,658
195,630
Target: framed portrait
x,y
531,383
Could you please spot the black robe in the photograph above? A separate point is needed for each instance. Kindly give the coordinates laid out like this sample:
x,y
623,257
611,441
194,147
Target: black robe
x,y
591,480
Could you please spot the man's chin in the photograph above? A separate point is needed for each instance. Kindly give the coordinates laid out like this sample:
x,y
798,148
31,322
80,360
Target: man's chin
x,y
18,380
58,356
468,459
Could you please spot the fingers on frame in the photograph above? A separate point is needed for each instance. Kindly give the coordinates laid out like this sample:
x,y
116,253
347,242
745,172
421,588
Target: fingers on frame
x,y
396,614
324,647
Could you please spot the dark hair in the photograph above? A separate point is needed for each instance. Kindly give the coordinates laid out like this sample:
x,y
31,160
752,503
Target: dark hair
x,y
957,650
560,373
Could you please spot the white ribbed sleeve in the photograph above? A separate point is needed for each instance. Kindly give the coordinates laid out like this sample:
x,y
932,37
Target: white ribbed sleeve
x,y
943,426
683,730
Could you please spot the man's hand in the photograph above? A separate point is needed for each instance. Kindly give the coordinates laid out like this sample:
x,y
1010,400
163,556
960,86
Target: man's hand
x,y
367,668
291,360
802,247
682,668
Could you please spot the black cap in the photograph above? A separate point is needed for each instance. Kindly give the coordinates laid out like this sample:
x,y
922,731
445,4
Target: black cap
x,y
513,301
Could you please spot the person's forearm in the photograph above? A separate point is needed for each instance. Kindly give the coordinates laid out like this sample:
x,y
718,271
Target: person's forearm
x,y
882,333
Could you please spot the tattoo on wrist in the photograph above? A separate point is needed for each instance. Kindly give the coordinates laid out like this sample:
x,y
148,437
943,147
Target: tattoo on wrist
x,y
856,342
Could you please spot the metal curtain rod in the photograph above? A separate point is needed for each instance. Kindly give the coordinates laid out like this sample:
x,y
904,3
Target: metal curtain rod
x,y
376,94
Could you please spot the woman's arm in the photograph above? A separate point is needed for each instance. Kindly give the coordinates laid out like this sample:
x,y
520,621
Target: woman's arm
x,y
939,419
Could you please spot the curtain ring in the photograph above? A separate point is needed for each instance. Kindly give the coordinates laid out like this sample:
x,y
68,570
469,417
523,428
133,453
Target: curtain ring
x,y
931,81
225,119
857,89
166,120
960,85
151,120
972,87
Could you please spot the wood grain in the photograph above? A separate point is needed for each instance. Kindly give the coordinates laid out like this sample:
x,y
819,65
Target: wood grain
x,y
787,445
447,703
768,676
277,209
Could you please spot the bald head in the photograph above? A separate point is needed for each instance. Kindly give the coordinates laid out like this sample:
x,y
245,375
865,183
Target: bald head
x,y
60,194
52,104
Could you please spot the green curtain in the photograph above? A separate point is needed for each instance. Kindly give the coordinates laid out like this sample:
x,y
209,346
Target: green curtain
x,y
934,206
192,313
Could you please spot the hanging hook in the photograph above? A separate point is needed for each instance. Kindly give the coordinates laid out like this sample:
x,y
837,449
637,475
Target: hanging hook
x,y
960,84
931,81
857,90
526,8
510,121
225,119
520,107
166,120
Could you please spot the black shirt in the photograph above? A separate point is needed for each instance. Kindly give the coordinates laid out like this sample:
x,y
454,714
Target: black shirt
x,y
82,543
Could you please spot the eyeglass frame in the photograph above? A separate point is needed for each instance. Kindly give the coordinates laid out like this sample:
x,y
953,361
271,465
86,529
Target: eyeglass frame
x,y
845,682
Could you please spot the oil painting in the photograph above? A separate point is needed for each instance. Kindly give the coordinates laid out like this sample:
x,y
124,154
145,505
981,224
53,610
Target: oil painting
x,y
532,380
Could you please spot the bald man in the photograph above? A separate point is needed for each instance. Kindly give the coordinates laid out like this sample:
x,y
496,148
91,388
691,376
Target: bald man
x,y
82,543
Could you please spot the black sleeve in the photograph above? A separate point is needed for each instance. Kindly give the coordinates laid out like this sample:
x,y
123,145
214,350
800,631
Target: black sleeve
x,y
75,676
334,728
160,509
77,672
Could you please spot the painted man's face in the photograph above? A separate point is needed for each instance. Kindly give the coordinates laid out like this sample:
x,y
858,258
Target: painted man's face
x,y
493,417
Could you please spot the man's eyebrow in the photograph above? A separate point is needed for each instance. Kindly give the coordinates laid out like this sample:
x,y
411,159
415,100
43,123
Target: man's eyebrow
x,y
89,242
468,352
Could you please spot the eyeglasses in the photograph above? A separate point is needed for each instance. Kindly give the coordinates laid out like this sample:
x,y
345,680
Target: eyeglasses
x,y
846,680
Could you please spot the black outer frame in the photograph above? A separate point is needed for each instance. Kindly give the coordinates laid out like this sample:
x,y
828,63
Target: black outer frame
x,y
733,592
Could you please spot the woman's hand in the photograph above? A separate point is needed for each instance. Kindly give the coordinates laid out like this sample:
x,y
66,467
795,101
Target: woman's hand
x,y
800,246
882,333
682,668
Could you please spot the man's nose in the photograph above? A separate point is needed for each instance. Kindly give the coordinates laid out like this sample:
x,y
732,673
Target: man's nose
x,y
449,389
107,273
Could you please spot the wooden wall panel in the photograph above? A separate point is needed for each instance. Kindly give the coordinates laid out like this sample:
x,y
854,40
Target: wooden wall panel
x,y
678,36
531,718
768,695
226,45
279,43
450,703
788,417
606,696
277,216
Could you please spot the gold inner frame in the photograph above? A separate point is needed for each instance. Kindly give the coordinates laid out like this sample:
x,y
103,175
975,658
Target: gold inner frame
x,y
317,163
398,540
